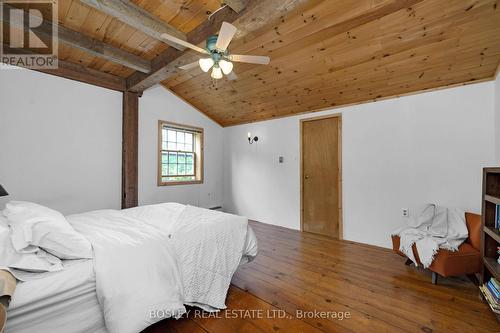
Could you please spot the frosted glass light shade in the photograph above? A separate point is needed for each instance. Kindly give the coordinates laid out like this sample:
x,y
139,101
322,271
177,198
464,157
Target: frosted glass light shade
x,y
226,66
206,64
217,73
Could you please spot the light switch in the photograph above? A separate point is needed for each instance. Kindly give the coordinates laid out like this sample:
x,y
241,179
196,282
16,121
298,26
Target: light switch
x,y
280,159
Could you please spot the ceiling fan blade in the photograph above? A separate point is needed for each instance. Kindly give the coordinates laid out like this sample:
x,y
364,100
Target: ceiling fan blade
x,y
190,66
232,76
261,60
183,43
226,34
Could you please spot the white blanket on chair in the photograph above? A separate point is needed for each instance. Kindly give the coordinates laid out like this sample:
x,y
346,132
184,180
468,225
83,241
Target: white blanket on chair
x,y
434,228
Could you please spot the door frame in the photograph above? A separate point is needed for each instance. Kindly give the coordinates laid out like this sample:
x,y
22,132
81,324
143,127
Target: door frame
x,y
339,166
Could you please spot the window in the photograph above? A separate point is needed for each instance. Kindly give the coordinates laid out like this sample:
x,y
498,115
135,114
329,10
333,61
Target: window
x,y
180,158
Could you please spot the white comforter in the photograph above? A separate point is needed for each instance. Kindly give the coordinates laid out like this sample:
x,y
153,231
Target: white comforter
x,y
135,266
149,263
209,247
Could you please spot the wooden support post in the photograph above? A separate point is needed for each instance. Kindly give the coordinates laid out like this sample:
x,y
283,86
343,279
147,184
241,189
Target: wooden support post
x,y
130,147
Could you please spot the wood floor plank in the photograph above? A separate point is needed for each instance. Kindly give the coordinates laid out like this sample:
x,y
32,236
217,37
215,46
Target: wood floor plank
x,y
300,272
392,308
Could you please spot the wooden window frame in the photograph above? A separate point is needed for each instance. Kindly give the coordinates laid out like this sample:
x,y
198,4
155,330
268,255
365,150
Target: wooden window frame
x,y
198,155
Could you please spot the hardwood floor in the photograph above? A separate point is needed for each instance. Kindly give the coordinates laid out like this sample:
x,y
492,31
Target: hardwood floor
x,y
304,272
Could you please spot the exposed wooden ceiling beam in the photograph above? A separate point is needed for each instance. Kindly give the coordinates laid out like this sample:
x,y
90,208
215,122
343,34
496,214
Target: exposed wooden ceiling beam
x,y
83,74
138,18
236,5
160,68
282,52
92,46
99,49
87,75
256,15
75,72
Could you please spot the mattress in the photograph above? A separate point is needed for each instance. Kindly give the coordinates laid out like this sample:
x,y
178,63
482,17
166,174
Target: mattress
x,y
58,302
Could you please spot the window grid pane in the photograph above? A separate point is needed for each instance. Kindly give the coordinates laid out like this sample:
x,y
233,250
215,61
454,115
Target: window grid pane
x,y
176,164
178,156
177,140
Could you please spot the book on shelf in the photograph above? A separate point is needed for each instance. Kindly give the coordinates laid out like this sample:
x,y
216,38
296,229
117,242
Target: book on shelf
x,y
497,217
495,307
493,292
495,283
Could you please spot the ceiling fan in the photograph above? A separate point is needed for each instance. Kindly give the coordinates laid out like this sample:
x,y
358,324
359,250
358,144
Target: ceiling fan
x,y
220,59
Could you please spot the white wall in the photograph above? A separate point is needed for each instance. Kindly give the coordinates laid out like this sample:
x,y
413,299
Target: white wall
x,y
60,145
60,142
397,153
159,104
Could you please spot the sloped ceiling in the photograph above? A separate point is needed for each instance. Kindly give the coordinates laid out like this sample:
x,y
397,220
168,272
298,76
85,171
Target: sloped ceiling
x,y
331,53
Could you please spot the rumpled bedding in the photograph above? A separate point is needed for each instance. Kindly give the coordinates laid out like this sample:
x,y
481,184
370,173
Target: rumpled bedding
x,y
142,270
209,246
151,261
24,265
136,269
434,228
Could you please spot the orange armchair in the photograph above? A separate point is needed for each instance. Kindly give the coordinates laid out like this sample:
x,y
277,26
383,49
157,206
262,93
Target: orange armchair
x,y
465,261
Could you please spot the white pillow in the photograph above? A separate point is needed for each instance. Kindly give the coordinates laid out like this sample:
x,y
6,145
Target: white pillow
x,y
24,265
36,226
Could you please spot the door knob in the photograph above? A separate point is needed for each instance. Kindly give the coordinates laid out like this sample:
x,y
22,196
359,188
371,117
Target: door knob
x,y
307,177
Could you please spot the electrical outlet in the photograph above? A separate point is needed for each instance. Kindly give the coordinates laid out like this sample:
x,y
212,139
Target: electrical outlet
x,y
405,212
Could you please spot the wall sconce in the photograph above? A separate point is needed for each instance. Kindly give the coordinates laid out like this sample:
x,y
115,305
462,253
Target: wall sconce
x,y
252,140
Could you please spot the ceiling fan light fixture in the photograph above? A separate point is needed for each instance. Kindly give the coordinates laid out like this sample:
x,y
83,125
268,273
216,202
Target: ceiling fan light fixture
x,y
220,60
206,64
217,73
226,66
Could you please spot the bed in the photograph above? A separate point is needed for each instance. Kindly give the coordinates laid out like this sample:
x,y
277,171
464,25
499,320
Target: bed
x,y
169,255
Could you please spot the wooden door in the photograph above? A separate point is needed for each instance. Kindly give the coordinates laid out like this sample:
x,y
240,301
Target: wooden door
x,y
321,161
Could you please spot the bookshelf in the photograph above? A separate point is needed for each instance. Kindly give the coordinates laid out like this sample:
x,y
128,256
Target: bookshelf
x,y
490,237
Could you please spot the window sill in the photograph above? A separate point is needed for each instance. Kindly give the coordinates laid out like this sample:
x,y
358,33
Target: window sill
x,y
188,182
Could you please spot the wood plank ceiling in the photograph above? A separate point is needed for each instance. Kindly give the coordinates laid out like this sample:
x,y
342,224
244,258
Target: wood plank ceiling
x,y
73,14
324,54
343,52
